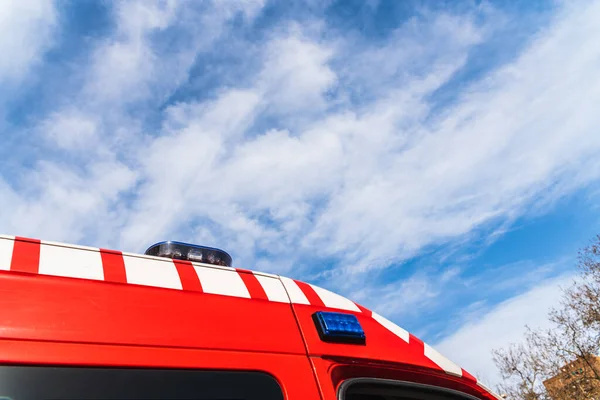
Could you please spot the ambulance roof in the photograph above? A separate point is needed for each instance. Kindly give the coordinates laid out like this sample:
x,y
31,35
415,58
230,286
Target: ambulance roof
x,y
31,256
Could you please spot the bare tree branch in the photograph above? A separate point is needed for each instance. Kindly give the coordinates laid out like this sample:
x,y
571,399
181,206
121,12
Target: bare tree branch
x,y
562,362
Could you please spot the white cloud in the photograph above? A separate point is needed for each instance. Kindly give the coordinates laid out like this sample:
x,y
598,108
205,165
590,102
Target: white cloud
x,y
471,345
26,27
371,183
60,202
125,67
281,172
296,74
131,65
249,8
507,141
80,187
403,298
179,167
71,130
426,40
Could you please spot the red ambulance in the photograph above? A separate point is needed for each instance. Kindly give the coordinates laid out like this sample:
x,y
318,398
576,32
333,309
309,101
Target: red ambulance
x,y
179,322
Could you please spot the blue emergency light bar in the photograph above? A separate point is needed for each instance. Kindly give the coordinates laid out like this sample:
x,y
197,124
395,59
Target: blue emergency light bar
x,y
339,327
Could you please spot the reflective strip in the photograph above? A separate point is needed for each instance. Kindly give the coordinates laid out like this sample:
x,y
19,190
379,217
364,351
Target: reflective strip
x,y
392,327
295,294
333,300
487,389
69,246
142,271
6,250
442,361
265,274
220,281
273,288
206,265
70,263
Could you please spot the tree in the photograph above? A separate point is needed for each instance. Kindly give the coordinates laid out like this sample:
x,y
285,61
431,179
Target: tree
x,y
522,370
562,362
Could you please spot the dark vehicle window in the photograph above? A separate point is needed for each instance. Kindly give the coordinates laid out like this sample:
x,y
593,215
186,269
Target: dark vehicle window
x,y
381,389
73,383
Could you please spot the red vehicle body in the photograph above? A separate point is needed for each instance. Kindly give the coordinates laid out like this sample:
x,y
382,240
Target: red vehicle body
x,y
71,306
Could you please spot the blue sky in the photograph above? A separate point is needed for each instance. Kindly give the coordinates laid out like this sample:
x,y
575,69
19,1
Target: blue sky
x,y
436,161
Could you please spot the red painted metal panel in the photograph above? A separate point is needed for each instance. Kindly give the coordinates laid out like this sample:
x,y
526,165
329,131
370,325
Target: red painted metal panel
x,y
38,307
64,310
381,344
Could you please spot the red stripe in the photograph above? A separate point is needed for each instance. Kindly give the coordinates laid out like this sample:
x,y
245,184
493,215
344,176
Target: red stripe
x,y
311,295
416,342
26,255
365,311
252,284
188,276
114,266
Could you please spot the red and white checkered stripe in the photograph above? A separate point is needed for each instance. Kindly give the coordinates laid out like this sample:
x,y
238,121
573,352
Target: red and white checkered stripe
x,y
57,259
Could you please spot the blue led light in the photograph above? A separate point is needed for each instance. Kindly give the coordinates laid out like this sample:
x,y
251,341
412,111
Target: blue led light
x,y
339,327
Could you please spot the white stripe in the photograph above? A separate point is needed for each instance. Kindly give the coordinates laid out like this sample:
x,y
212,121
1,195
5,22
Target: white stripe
x,y
333,300
490,391
71,263
147,272
220,281
6,250
221,267
442,361
71,246
273,288
266,274
392,327
294,292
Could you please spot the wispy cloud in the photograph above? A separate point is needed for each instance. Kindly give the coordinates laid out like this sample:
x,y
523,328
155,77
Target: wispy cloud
x,y
28,27
471,344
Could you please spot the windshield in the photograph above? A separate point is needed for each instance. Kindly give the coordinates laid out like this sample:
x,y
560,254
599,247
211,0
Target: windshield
x,y
380,389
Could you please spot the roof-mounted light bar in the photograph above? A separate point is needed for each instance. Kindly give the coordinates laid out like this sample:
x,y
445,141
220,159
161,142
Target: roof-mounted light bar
x,y
190,252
